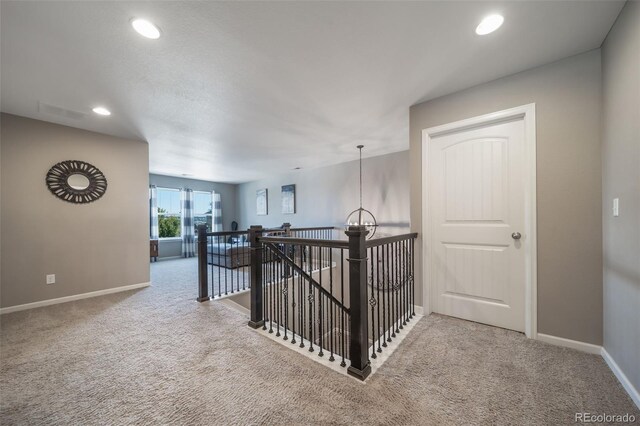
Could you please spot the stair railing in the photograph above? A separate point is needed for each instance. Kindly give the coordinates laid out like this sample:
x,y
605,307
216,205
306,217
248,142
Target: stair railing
x,y
302,291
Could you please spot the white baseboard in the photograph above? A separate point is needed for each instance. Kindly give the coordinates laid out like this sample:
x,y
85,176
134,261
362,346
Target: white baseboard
x,y
48,302
335,365
419,310
597,350
622,378
568,343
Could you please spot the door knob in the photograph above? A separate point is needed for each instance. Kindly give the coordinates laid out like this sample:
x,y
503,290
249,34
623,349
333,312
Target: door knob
x,y
516,236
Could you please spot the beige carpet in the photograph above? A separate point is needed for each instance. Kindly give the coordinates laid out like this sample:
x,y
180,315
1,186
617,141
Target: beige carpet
x,y
155,356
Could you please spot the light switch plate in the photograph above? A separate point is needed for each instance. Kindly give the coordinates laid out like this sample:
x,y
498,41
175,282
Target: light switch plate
x,y
51,279
616,207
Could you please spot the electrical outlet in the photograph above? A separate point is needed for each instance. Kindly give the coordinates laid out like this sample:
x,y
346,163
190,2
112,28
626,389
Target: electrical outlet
x,y
51,279
616,207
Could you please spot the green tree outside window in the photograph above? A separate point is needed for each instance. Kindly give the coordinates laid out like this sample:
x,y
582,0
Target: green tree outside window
x,y
168,225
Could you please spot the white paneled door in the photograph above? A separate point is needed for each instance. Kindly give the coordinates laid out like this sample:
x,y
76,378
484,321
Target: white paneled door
x,y
477,213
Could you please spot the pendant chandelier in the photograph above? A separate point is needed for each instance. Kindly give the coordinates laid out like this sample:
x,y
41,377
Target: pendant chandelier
x,y
362,216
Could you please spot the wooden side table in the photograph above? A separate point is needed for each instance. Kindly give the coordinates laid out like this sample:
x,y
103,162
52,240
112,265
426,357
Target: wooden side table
x,y
153,250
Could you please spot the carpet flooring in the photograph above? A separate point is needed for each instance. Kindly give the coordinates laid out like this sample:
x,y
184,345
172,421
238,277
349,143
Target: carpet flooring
x,y
155,356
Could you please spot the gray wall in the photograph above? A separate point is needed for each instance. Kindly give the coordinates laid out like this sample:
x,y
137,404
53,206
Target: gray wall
x,y
568,100
621,179
89,247
228,197
326,195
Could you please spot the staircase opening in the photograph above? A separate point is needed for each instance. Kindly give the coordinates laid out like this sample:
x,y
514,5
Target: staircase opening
x,y
341,299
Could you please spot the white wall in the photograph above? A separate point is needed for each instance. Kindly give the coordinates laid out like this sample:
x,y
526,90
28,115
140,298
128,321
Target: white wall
x,y
326,195
621,179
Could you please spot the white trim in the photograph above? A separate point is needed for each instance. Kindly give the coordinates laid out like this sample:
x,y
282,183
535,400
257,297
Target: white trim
x,y
622,378
65,299
160,258
528,114
596,350
426,226
376,363
230,295
568,343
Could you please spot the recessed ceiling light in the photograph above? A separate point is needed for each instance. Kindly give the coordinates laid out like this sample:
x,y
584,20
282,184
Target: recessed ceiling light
x,y
489,24
146,28
101,111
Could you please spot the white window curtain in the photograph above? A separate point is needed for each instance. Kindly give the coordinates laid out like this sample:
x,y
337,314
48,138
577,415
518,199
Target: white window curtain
x,y
153,212
188,233
217,212
216,216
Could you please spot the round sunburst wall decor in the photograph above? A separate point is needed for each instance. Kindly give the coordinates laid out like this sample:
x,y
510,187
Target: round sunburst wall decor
x,y
76,181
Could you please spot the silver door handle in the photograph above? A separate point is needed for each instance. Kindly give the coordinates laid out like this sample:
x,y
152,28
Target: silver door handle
x,y
516,236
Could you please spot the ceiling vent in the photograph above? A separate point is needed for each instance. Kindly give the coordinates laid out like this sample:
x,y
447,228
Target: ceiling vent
x,y
59,111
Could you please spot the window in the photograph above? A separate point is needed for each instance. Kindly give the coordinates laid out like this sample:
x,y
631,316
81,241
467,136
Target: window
x,y
202,210
169,214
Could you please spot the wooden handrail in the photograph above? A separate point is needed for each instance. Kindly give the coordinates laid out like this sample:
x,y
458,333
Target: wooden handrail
x,y
305,241
224,233
315,228
324,243
336,243
392,239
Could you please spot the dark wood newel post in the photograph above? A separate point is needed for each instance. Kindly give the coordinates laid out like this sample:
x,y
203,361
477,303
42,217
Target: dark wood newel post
x,y
358,342
203,279
257,318
286,227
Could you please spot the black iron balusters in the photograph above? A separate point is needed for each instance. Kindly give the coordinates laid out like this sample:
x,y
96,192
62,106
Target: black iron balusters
x,y
391,288
298,295
372,302
292,278
223,262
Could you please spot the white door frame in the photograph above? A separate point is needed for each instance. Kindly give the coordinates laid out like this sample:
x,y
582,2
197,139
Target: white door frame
x,y
528,114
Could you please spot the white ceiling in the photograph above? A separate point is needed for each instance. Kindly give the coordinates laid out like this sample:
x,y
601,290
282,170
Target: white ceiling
x,y
234,91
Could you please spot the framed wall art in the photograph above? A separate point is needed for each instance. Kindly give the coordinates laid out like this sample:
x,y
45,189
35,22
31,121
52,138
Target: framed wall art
x,y
288,199
262,202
